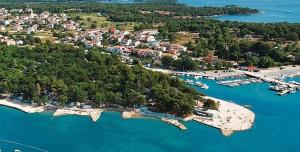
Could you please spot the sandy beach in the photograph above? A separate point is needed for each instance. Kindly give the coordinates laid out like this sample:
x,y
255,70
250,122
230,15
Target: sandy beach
x,y
230,117
93,113
22,106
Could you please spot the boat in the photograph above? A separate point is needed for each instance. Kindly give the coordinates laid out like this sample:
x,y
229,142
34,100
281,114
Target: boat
x,y
17,150
283,92
275,88
292,91
210,78
247,106
294,82
202,85
203,114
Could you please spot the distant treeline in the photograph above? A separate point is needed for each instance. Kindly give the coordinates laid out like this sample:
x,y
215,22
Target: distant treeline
x,y
133,12
83,1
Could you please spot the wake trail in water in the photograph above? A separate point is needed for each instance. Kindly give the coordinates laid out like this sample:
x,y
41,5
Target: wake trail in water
x,y
24,145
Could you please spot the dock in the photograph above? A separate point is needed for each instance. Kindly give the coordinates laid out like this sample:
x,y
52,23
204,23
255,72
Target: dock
x,y
280,86
174,122
238,82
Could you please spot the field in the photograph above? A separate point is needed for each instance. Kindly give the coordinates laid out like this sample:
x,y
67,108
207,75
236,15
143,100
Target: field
x,y
101,21
45,36
183,38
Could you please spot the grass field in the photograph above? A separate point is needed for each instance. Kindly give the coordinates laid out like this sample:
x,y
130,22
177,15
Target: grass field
x,y
44,36
101,21
185,38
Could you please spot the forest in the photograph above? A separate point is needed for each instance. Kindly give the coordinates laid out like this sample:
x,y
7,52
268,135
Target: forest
x,y
64,74
258,44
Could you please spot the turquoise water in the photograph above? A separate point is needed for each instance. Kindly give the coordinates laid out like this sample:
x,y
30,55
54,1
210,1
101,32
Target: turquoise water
x,y
276,128
272,10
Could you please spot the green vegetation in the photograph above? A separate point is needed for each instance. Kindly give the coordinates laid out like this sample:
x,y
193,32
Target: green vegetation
x,y
66,74
211,104
256,44
93,20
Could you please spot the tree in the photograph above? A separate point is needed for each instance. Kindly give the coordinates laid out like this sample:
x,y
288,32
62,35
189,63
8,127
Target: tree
x,y
292,36
265,62
251,60
93,25
211,104
185,63
167,61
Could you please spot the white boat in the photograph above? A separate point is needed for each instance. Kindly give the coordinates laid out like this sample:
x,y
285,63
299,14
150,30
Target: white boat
x,y
294,82
202,85
283,92
210,78
292,91
275,88
205,86
17,150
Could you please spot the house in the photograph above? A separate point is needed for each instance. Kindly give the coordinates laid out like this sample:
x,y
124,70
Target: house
x,y
126,42
2,28
136,43
144,52
32,29
210,58
149,32
9,42
6,22
125,51
70,26
17,28
19,42
175,57
178,47
90,44
44,15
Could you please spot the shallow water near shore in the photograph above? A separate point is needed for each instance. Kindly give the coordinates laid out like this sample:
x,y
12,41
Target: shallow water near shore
x,y
275,129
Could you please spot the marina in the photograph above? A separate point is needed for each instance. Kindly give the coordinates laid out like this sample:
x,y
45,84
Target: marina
x,y
234,78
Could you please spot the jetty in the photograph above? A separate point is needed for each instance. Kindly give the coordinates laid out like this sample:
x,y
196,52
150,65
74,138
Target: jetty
x,y
238,82
279,85
93,113
174,122
131,114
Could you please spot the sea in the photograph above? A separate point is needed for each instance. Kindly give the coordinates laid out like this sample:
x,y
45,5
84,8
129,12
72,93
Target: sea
x,y
271,11
276,127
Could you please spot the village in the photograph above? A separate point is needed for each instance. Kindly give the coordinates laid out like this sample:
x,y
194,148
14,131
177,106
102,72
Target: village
x,y
18,24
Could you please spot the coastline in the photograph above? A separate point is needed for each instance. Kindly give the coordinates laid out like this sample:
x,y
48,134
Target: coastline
x,y
240,118
27,108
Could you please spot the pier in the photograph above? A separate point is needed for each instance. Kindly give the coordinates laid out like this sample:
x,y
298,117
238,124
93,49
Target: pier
x,y
278,85
238,82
